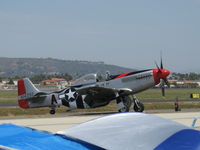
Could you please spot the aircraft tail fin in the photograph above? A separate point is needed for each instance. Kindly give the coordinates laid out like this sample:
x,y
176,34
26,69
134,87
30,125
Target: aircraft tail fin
x,y
26,90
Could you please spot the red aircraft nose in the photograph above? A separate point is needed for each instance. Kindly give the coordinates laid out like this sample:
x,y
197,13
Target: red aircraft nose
x,y
160,74
165,73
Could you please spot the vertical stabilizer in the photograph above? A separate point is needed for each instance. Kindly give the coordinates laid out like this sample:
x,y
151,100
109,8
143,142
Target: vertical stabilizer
x,y
26,90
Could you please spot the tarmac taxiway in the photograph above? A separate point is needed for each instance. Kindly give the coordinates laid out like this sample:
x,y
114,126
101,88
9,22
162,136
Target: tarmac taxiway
x,y
60,122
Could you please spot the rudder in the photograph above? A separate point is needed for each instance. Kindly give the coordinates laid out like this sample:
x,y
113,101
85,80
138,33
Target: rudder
x,y
26,90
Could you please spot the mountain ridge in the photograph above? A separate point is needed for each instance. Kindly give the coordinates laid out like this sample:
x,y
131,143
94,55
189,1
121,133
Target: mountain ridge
x,y
10,67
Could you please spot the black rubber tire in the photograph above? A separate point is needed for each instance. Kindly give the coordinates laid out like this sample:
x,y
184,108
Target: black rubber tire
x,y
140,109
52,112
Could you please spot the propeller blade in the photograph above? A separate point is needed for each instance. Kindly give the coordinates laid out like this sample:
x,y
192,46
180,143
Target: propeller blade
x,y
157,65
167,82
161,63
163,91
162,84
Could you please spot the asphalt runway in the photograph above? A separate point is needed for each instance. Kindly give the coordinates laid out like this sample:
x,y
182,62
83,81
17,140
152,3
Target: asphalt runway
x,y
143,101
57,123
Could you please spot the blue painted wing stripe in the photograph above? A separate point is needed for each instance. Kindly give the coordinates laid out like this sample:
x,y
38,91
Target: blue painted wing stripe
x,y
18,137
187,139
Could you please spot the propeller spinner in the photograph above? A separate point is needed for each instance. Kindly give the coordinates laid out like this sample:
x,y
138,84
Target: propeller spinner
x,y
160,76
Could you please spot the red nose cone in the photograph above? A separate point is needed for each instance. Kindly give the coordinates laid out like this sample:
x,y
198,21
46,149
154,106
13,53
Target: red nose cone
x,y
160,74
165,73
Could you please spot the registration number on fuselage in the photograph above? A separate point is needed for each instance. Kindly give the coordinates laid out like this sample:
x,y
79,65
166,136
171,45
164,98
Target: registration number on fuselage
x,y
144,76
137,77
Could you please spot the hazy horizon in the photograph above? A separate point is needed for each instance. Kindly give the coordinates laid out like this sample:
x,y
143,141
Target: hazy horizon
x,y
95,62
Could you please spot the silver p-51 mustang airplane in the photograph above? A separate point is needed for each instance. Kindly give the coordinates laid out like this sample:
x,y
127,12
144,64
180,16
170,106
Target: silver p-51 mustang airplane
x,y
90,91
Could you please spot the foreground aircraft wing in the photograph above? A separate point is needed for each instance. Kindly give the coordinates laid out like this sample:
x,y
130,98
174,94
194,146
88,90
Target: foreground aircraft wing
x,y
15,137
136,131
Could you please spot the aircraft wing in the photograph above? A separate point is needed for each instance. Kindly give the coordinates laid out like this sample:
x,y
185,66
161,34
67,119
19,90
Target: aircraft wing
x,y
95,90
105,93
136,131
15,137
119,131
99,94
124,91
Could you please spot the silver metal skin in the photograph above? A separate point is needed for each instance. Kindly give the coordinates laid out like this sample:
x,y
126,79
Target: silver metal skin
x,y
90,91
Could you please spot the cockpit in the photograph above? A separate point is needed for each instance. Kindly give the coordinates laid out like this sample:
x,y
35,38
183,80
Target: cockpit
x,y
86,79
91,79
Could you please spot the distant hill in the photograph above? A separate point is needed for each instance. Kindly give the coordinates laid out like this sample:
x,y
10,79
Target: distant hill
x,y
10,67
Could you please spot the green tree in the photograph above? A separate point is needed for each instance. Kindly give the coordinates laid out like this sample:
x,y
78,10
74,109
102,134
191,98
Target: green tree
x,y
10,81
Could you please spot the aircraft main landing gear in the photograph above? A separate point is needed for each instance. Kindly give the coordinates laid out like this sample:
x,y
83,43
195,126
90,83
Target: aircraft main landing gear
x,y
124,104
138,106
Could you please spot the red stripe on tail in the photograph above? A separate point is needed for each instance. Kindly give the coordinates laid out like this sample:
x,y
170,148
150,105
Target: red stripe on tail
x,y
22,91
21,87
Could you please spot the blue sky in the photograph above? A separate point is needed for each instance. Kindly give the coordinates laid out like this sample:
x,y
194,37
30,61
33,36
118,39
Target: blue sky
x,y
129,33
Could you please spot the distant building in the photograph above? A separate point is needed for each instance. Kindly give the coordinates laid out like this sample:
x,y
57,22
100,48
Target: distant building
x,y
172,83
180,82
5,81
189,82
71,82
198,82
184,84
15,82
